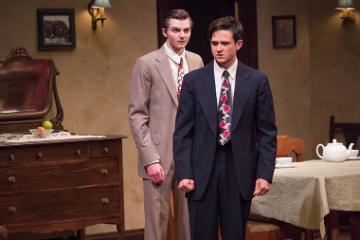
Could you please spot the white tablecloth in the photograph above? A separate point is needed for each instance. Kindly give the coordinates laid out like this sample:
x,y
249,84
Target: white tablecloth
x,y
305,194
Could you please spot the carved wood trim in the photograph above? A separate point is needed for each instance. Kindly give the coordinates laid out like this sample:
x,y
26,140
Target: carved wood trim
x,y
18,52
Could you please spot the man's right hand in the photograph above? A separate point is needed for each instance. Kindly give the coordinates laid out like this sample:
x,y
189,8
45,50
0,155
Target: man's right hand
x,y
186,185
156,173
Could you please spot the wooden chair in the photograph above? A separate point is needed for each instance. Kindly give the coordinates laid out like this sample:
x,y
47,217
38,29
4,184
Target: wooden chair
x,y
287,146
350,131
261,228
3,233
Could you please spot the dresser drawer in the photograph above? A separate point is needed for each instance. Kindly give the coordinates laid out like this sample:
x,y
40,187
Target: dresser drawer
x,y
13,156
69,175
60,206
105,149
43,153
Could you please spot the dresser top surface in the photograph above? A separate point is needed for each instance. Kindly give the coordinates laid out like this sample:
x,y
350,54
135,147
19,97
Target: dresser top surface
x,y
75,138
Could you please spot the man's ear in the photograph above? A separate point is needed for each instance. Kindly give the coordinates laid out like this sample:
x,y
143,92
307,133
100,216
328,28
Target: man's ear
x,y
239,44
163,31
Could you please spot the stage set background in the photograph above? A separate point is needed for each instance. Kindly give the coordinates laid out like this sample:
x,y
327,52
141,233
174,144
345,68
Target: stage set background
x,y
317,78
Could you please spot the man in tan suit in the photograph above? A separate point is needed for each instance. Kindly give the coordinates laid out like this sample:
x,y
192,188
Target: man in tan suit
x,y
154,94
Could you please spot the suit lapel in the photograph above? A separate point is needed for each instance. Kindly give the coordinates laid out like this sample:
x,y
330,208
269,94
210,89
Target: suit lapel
x,y
163,66
242,92
207,96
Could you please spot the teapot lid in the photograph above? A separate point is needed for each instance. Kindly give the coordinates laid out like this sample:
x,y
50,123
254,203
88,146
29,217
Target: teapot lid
x,y
335,141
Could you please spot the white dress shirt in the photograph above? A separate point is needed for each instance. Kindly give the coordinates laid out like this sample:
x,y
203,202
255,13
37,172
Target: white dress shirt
x,y
218,73
174,60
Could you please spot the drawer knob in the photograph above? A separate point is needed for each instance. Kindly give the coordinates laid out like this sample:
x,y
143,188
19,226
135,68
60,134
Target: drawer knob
x,y
40,155
12,179
12,157
78,152
106,150
12,209
104,171
105,201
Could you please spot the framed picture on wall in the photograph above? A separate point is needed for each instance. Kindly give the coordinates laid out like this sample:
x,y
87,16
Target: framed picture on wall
x,y
284,31
56,29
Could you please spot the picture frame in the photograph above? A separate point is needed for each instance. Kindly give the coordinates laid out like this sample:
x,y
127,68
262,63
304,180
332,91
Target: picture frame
x,y
56,29
284,31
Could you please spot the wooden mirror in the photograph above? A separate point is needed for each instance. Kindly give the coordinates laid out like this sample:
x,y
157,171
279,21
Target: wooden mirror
x,y
27,91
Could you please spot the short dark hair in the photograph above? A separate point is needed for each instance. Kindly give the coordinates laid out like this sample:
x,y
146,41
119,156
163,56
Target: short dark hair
x,y
226,23
179,14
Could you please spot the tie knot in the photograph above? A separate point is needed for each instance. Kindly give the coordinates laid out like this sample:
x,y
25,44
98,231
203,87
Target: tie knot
x,y
226,74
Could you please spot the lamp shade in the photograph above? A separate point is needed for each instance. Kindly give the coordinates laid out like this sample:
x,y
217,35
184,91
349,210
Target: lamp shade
x,y
101,4
345,4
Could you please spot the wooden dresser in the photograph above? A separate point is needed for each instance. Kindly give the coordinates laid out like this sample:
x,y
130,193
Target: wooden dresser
x,y
62,185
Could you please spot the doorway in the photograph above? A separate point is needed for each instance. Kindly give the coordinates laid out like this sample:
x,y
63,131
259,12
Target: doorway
x,y
203,12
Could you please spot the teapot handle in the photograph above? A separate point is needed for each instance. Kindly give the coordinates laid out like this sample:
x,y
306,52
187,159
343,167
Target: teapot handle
x,y
317,151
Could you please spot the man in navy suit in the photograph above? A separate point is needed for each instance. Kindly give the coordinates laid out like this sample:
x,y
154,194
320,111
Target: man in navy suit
x,y
225,137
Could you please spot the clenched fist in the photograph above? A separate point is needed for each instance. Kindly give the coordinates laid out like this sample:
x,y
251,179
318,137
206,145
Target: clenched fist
x,y
186,185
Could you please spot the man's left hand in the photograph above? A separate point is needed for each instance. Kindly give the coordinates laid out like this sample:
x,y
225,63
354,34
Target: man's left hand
x,y
262,187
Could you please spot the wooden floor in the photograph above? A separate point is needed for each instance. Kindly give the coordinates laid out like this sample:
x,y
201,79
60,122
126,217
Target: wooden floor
x,y
138,235
344,235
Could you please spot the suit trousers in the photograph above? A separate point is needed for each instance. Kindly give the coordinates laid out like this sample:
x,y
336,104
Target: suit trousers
x,y
157,205
221,202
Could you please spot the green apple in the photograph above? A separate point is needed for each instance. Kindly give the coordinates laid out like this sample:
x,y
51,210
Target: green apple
x,y
47,124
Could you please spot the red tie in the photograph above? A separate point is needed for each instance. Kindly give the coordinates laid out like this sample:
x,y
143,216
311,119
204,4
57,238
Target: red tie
x,y
180,76
225,110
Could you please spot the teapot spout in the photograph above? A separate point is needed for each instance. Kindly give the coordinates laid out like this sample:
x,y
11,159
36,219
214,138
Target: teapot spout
x,y
351,146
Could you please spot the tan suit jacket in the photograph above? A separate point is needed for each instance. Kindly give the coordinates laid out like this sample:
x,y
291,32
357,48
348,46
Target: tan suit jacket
x,y
153,106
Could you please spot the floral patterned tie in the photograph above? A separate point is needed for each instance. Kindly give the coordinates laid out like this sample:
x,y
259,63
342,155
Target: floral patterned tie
x,y
225,110
180,76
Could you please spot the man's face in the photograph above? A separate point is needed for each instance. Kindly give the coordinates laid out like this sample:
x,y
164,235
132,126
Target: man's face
x,y
224,48
177,34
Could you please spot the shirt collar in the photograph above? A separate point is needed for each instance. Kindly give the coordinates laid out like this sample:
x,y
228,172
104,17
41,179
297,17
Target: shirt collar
x,y
231,69
173,55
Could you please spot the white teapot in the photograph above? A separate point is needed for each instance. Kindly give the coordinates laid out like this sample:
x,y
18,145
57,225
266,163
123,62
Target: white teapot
x,y
335,151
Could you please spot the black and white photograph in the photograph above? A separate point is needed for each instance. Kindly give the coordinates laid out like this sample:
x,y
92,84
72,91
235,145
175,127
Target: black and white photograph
x,y
56,29
284,31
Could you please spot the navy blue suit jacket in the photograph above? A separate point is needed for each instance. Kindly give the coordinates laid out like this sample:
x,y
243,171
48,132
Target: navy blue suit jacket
x,y
253,135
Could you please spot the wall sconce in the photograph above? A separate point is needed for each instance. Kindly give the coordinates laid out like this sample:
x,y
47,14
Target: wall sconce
x,y
96,9
346,6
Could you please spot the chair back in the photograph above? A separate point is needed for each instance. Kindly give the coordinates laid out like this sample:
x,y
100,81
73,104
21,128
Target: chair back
x,y
286,146
350,131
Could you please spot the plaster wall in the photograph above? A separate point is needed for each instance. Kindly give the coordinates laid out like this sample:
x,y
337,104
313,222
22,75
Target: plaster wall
x,y
317,78
287,68
334,67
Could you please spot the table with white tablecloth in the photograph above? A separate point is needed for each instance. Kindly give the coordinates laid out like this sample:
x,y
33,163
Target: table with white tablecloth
x,y
306,192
